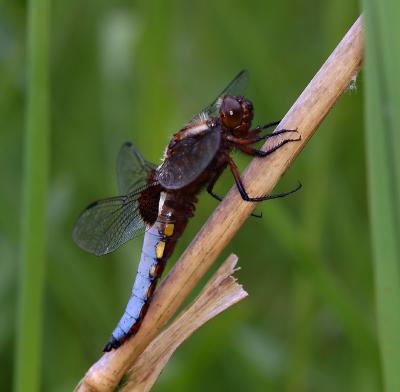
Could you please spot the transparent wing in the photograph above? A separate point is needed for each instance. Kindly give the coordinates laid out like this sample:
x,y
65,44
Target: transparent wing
x,y
133,170
188,158
236,87
107,224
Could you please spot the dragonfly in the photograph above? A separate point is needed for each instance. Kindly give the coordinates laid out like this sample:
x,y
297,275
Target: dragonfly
x,y
159,200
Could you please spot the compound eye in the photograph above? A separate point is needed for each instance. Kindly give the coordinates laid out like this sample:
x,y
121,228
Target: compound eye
x,y
231,112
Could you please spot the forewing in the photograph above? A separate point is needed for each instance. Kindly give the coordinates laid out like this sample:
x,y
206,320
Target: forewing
x,y
236,87
133,170
107,224
188,158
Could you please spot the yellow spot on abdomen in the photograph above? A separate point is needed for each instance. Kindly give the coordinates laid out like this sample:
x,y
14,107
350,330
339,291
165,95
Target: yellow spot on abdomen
x,y
169,229
160,249
153,271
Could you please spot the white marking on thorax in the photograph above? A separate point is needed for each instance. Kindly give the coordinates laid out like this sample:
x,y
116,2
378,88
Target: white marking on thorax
x,y
195,130
161,202
192,130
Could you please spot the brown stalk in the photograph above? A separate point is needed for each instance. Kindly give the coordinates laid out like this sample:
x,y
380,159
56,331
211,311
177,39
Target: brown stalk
x,y
260,178
221,292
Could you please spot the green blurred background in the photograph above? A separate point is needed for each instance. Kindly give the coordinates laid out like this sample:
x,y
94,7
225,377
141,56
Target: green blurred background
x,y
137,70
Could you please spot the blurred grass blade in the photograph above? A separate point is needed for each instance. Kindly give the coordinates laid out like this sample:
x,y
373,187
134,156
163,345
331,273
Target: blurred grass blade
x,y
296,242
32,267
383,138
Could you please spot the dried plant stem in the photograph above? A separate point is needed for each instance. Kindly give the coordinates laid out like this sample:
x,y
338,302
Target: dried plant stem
x,y
260,178
221,292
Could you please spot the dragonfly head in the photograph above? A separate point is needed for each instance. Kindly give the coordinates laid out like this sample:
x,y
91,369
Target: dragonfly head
x,y
236,114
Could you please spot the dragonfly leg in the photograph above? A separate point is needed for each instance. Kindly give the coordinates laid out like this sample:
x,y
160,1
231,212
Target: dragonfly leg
x,y
260,153
245,195
255,139
280,132
242,140
210,190
254,132
269,125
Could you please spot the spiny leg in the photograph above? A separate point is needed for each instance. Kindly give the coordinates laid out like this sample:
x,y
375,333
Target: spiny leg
x,y
269,125
210,190
280,132
260,153
245,195
255,139
259,128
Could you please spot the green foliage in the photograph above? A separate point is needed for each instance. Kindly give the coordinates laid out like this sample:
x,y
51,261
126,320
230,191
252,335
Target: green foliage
x,y
383,137
138,71
33,217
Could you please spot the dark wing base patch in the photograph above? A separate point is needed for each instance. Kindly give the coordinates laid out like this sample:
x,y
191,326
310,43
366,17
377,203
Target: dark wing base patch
x,y
188,158
107,224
